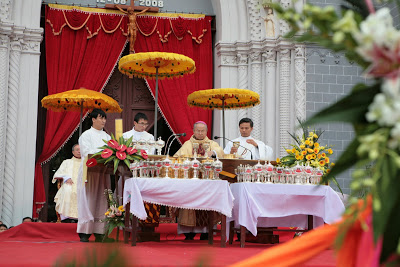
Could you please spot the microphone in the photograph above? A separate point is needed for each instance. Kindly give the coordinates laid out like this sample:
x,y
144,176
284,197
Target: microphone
x,y
246,149
172,135
180,134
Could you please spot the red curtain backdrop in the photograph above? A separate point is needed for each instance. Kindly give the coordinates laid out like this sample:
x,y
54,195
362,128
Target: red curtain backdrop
x,y
75,58
82,48
189,37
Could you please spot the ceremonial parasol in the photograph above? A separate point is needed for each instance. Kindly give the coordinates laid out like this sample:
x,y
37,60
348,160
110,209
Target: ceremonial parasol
x,y
223,98
78,100
156,65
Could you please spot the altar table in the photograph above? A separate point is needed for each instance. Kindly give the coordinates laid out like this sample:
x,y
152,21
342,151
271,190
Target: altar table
x,y
197,194
283,205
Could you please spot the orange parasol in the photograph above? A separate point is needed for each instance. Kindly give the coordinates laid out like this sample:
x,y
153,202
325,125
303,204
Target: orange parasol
x,y
223,98
78,100
155,65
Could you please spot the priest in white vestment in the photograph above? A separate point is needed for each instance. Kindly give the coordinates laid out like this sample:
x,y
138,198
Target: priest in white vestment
x,y
92,204
66,198
140,123
191,222
249,148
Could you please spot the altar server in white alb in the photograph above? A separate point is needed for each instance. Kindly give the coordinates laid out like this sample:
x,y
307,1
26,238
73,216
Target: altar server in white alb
x,y
249,148
92,204
140,123
66,198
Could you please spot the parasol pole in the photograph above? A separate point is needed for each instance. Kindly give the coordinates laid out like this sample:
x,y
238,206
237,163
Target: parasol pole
x,y
155,108
80,119
223,120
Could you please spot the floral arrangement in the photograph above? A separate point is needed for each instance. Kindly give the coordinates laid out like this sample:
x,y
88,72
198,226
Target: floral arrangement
x,y
367,37
115,215
114,151
307,151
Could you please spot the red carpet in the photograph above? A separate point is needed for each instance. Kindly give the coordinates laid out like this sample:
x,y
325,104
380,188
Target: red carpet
x,y
44,244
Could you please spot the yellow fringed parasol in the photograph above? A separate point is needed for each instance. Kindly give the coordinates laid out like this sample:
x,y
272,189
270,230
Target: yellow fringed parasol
x,y
223,98
155,65
78,100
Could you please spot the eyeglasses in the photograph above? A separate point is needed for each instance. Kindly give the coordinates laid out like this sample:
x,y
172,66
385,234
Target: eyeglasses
x,y
143,123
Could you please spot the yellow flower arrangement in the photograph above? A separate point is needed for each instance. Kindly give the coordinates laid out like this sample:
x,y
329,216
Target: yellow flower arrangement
x,y
115,215
308,151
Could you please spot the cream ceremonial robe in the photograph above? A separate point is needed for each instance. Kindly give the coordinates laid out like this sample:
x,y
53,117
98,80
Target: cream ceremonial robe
x,y
261,152
187,148
138,136
66,198
92,204
188,222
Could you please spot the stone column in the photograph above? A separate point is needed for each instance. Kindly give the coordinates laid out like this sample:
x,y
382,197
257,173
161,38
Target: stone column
x,y
300,85
284,100
12,122
269,99
256,86
242,60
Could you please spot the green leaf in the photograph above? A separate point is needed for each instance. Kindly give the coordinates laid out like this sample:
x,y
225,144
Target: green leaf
x,y
112,136
116,162
129,141
110,159
127,163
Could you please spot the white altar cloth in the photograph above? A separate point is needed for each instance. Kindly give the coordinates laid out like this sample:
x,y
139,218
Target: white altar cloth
x,y
283,205
193,194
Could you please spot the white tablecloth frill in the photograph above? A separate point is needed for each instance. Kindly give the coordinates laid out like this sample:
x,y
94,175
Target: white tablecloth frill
x,y
193,194
283,205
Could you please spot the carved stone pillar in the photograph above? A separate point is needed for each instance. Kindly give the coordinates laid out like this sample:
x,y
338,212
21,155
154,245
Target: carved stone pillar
x,y
300,85
242,60
5,10
255,19
12,121
256,86
4,47
269,99
284,100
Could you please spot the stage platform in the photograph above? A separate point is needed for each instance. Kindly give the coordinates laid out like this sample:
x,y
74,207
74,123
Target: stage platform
x,y
45,244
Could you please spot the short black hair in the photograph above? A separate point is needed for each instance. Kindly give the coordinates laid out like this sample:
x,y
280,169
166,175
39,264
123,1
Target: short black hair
x,y
27,218
3,225
140,116
73,147
244,120
97,112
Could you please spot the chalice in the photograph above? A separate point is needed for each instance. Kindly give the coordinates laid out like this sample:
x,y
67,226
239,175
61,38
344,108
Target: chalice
x,y
159,145
206,146
236,144
195,149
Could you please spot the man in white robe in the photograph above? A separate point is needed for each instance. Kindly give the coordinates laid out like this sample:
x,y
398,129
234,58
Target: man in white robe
x,y
92,204
138,132
66,198
249,148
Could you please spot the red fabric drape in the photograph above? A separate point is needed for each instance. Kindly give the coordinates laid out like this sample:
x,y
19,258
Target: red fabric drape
x,y
173,92
73,61
83,46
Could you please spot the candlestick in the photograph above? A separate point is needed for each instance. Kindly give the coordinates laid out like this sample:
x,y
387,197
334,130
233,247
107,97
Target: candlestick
x,y
118,129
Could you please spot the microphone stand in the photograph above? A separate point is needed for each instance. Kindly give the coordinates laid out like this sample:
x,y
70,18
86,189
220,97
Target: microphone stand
x,y
166,143
171,144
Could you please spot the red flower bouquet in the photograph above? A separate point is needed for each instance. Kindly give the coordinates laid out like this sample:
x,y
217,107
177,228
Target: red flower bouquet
x,y
116,152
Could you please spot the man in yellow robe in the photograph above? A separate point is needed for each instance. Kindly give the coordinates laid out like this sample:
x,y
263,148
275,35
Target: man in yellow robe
x,y
191,222
66,198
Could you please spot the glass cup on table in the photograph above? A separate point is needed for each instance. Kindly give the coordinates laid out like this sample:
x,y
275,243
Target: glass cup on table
x,y
151,145
207,168
159,145
186,167
152,168
158,165
236,144
195,166
133,167
217,165
166,163
206,146
258,169
176,166
195,149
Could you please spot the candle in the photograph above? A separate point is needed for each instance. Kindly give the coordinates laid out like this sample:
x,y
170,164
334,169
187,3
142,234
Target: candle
x,y
118,129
